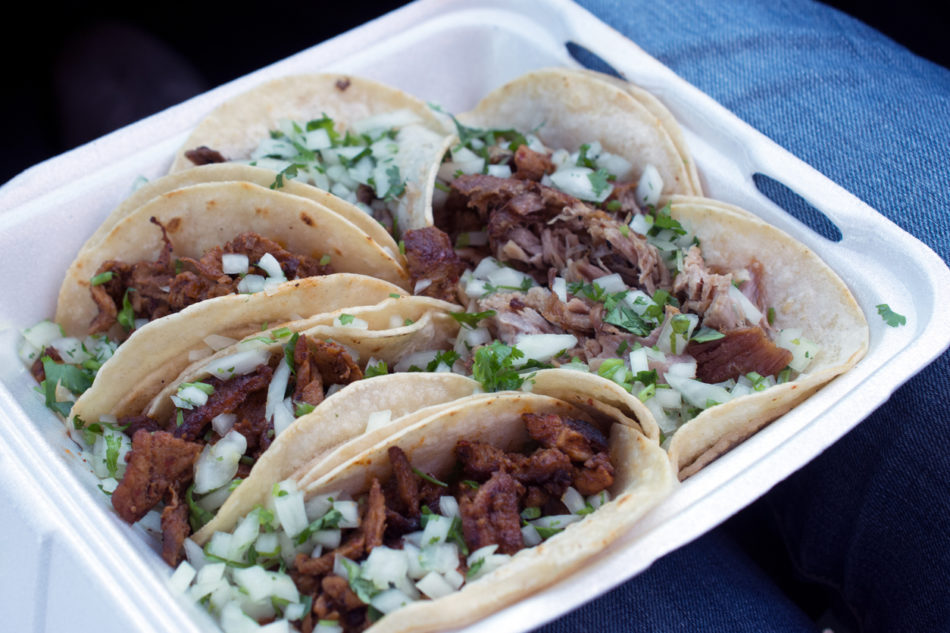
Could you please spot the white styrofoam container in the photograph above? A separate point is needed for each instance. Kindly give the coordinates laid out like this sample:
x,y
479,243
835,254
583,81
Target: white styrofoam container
x,y
68,561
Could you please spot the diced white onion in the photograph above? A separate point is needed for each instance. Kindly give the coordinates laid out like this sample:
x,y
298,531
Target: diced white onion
x,y
217,464
182,577
390,600
276,389
499,171
218,342
436,530
751,312
352,322
292,513
650,186
234,263
530,535
543,347
559,288
698,394
440,557
573,500
42,334
421,285
237,364
350,512
448,506
223,422
250,284
434,586
611,283
385,566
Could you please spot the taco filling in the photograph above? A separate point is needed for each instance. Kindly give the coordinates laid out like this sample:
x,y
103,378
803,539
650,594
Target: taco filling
x,y
560,255
359,165
219,427
332,563
127,293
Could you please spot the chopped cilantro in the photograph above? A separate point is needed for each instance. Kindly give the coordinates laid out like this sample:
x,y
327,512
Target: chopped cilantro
x,y
493,367
616,205
113,445
448,357
126,316
624,317
471,319
430,478
531,512
329,521
599,181
289,348
706,334
475,567
102,278
197,516
302,408
770,316
324,260
890,317
346,319
378,369
582,159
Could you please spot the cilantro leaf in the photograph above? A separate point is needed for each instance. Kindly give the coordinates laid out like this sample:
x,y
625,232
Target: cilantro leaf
x,y
471,319
126,316
102,278
599,181
890,317
378,369
493,367
624,317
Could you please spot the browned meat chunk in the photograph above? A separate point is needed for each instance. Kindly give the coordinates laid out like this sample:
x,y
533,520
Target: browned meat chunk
x,y
352,549
36,369
134,423
538,228
405,484
491,515
597,474
740,352
531,165
175,527
578,439
155,289
204,156
431,258
373,524
548,468
157,462
227,397
338,590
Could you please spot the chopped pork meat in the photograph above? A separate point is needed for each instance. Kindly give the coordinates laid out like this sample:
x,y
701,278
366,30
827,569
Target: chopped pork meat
x,y
434,266
740,352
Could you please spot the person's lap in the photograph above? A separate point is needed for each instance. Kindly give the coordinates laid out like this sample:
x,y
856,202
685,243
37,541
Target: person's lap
x,y
866,518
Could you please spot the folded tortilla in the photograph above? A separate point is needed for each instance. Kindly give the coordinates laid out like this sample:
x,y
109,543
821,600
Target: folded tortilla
x,y
202,216
642,479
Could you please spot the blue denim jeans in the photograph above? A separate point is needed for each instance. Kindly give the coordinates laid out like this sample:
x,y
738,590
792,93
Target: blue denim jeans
x,y
868,518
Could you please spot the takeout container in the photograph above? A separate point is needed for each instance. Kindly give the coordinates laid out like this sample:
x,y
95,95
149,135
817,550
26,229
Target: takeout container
x,y
69,562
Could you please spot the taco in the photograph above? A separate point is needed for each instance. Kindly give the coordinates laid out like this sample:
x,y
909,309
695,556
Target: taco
x,y
219,417
240,172
571,267
208,240
367,143
449,519
155,354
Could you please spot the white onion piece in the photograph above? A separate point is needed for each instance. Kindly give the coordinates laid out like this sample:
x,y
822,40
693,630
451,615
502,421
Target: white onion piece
x,y
385,566
650,186
271,266
698,394
803,350
329,539
611,283
499,171
217,464
234,263
251,284
440,557
260,583
434,586
182,577
419,359
436,530
237,364
669,398
350,512
751,312
616,165
575,181
685,368
223,422
276,389
291,512
573,500
42,334
233,620
638,361
319,505
327,626
641,224
530,535
559,288
449,506
485,268
667,423
421,285
543,347
390,600
508,277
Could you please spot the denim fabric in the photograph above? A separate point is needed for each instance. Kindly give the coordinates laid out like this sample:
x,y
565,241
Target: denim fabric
x,y
868,518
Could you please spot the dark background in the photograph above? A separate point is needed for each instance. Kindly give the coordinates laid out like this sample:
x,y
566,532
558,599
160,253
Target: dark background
x,y
67,63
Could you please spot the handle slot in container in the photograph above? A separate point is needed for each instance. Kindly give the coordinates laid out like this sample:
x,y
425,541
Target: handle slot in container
x,y
590,60
797,207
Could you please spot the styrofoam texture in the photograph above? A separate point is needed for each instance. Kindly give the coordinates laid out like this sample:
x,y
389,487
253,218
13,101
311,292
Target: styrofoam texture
x,y
48,211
